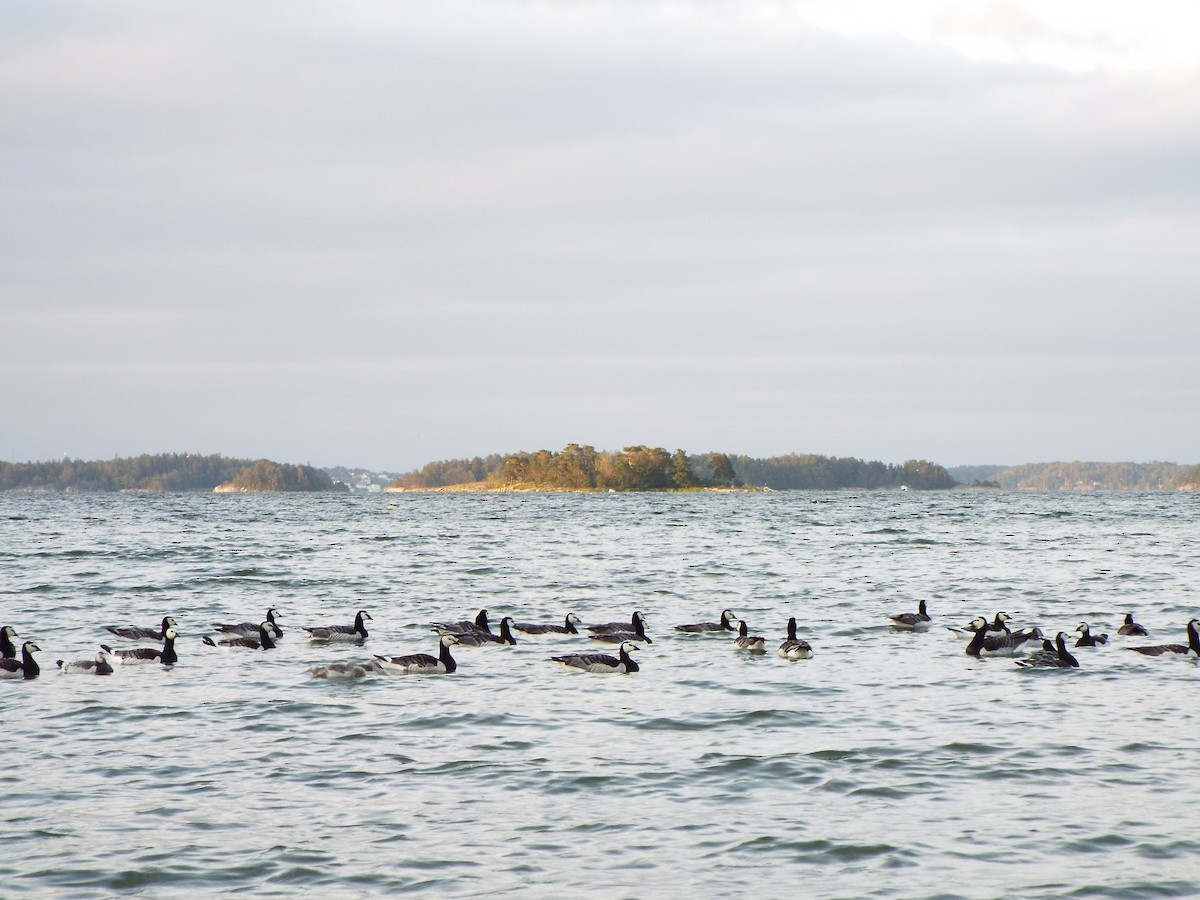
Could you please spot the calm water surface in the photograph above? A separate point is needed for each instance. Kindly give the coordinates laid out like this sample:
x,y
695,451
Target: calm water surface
x,y
888,765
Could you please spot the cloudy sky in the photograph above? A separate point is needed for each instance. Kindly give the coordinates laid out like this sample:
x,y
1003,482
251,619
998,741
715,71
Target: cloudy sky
x,y
382,233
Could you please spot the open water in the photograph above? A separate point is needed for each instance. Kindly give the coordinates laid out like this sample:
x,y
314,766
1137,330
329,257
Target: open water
x,y
888,765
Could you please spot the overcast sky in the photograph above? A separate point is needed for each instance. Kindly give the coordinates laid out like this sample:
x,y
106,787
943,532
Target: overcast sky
x,y
383,233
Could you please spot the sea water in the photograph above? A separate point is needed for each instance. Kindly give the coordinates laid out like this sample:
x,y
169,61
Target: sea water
x,y
890,764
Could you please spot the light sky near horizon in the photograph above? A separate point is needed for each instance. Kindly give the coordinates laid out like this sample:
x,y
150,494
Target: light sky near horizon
x,y
383,233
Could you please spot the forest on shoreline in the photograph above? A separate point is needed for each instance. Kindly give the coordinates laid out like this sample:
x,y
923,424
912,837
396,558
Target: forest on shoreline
x,y
583,468
164,472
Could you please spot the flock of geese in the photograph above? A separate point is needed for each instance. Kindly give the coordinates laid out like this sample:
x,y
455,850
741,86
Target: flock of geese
x,y
985,638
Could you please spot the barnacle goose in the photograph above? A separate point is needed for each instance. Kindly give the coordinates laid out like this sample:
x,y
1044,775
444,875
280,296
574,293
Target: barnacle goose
x,y
1087,639
1192,646
130,633
250,629
8,650
918,621
1058,658
419,663
138,655
26,667
1132,628
338,670
568,626
482,638
602,662
341,633
262,642
793,647
745,641
636,624
98,666
479,623
989,643
726,624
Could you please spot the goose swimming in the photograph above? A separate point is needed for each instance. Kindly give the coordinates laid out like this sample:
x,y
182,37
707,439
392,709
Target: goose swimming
x,y
130,633
419,663
8,650
479,623
338,670
568,626
264,640
968,631
482,638
26,667
745,641
602,662
989,643
726,624
250,629
341,633
1192,646
140,655
1058,658
636,624
793,647
1132,628
1087,639
918,621
98,666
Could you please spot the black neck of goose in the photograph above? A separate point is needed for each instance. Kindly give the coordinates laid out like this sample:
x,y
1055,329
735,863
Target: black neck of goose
x,y
169,656
627,660
265,639
921,608
791,629
1194,638
506,634
571,629
446,659
1063,653
481,620
977,640
1128,618
29,667
360,627
7,648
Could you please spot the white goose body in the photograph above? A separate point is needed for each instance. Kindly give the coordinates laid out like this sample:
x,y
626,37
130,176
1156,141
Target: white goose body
x,y
419,663
793,647
601,662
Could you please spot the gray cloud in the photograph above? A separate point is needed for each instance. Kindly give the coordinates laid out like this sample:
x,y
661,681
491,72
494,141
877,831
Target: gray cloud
x,y
380,234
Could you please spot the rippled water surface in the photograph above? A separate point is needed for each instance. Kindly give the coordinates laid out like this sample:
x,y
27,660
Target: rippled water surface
x,y
888,765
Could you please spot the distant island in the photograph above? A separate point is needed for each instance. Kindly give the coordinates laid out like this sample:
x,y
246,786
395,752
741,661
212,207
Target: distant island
x,y
583,468
641,468
164,472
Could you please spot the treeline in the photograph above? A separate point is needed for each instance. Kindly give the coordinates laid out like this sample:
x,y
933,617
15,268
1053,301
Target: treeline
x,y
798,472
155,472
577,467
642,468
266,476
1085,476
